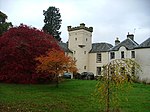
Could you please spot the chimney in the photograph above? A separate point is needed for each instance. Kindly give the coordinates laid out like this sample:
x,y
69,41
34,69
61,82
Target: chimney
x,y
117,41
131,36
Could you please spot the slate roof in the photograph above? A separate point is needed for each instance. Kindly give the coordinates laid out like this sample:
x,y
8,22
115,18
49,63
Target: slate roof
x,y
100,47
128,43
64,46
145,44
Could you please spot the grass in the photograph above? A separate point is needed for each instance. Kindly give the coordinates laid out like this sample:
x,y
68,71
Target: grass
x,y
71,96
138,99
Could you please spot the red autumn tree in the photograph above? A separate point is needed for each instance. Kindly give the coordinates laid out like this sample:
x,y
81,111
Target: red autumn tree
x,y
18,48
55,62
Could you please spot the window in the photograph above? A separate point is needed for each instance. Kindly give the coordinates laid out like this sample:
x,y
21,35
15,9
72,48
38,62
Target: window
x,y
112,71
84,67
84,52
98,70
122,71
74,52
86,39
112,55
122,54
98,60
132,54
133,70
75,38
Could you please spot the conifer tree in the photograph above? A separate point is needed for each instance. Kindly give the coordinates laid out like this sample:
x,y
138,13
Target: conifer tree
x,y
52,22
3,24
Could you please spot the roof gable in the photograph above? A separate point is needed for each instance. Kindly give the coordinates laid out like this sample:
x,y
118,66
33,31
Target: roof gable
x,y
128,43
145,44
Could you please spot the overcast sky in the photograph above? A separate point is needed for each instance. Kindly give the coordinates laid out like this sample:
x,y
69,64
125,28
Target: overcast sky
x,y
109,18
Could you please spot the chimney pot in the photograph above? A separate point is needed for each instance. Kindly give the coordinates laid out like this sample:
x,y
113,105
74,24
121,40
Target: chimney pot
x,y
117,41
131,36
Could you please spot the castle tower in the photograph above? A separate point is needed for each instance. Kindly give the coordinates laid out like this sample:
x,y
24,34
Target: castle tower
x,y
80,43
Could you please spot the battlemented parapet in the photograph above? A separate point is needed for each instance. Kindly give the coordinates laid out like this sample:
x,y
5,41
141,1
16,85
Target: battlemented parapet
x,y
82,26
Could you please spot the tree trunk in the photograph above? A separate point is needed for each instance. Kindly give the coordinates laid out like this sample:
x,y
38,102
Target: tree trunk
x,y
108,93
57,80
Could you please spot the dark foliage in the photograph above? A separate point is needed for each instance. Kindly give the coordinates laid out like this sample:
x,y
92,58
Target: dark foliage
x,y
19,47
3,24
52,22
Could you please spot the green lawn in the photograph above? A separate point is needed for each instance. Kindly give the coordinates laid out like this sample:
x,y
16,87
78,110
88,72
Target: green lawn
x,y
71,96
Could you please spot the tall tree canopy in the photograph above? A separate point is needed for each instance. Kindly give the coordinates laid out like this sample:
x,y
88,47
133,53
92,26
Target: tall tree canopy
x,y
52,22
19,47
3,24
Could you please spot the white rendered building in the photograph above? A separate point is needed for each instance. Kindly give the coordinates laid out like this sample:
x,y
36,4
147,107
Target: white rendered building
x,y
124,49
143,58
91,57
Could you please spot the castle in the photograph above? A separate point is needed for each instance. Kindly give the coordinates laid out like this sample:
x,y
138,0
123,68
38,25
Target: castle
x,y
90,57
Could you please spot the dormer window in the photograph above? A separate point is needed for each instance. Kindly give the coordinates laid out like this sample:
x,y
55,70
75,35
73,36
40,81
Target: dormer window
x,y
122,54
112,55
132,54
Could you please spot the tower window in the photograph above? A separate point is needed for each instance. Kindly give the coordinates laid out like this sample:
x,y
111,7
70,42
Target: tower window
x,y
86,39
122,54
75,38
132,54
84,52
84,67
99,58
